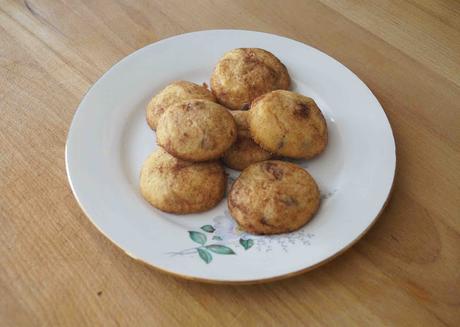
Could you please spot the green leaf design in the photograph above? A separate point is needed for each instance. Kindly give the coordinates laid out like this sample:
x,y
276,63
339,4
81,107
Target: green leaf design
x,y
217,238
208,228
247,244
219,249
205,255
198,237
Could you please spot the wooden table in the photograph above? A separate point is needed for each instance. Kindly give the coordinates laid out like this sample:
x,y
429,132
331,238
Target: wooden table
x,y
57,269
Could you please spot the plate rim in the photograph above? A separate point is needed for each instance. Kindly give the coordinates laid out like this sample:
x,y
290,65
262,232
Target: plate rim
x,y
227,281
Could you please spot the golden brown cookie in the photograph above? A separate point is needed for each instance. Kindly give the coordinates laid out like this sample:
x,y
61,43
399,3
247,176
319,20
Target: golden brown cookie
x,y
273,197
179,186
288,124
241,120
242,75
196,130
173,93
244,151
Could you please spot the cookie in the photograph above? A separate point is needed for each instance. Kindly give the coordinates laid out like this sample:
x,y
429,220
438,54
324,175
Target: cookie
x,y
241,120
178,186
288,124
196,130
273,197
171,94
242,75
244,151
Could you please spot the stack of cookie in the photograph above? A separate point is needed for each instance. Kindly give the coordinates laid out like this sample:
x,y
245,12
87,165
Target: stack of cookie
x,y
247,119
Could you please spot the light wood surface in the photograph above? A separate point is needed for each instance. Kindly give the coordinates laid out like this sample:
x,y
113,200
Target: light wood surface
x,y
56,269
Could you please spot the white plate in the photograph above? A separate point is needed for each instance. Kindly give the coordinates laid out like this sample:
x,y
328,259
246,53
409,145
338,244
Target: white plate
x,y
109,139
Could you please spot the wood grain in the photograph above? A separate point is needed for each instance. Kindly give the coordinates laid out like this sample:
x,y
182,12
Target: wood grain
x,y
56,269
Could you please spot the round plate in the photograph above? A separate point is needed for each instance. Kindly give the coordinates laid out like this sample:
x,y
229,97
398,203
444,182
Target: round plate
x,y
109,139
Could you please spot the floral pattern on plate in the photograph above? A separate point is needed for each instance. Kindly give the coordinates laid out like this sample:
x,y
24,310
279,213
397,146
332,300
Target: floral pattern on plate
x,y
224,237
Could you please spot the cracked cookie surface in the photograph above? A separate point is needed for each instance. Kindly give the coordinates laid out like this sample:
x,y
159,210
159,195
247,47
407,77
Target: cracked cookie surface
x,y
243,74
196,130
174,93
273,197
288,124
178,186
